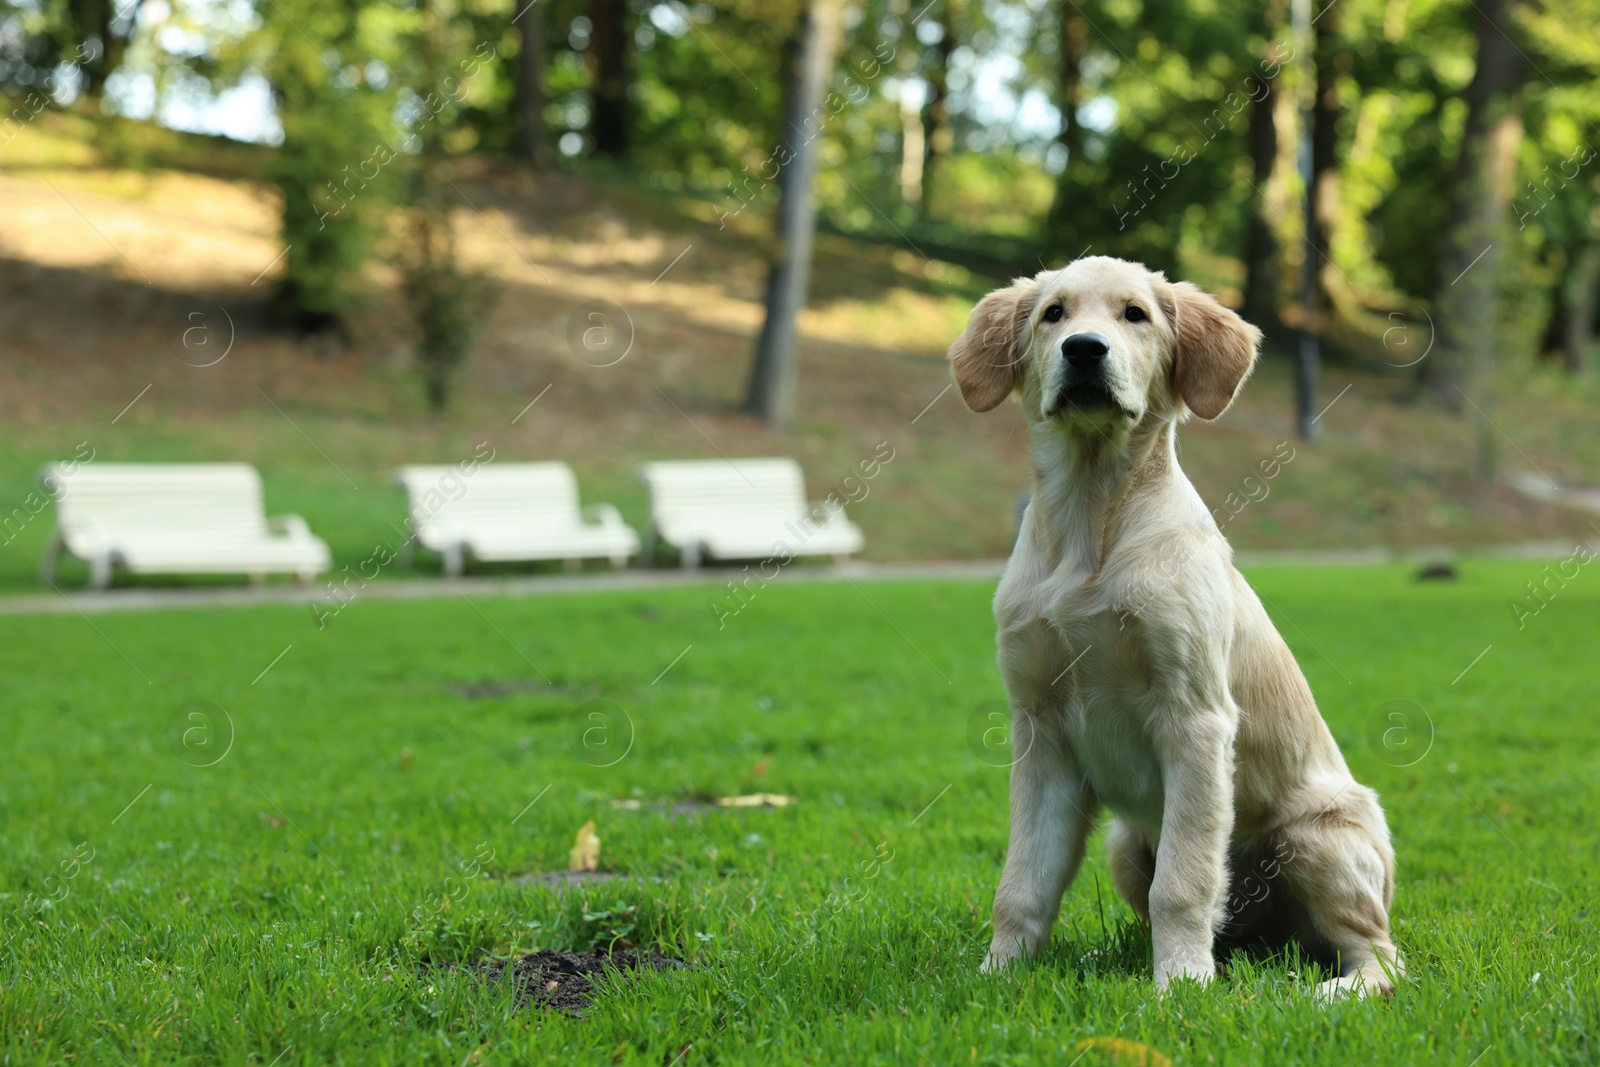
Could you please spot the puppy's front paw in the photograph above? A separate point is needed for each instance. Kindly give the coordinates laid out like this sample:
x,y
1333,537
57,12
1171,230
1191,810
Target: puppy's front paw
x,y
1002,956
1355,986
1168,973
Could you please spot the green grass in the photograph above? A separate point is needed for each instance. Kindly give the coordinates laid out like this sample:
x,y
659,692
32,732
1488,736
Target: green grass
x,y
264,909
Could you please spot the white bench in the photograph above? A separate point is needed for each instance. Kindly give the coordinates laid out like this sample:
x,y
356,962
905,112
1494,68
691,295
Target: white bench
x,y
743,509
508,512
173,518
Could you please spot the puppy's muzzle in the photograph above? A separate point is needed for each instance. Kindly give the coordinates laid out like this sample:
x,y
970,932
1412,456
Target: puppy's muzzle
x,y
1085,387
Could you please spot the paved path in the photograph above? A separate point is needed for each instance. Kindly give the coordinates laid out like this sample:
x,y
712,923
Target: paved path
x,y
89,603
1538,487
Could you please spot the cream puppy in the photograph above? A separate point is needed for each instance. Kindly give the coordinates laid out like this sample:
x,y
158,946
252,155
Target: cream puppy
x,y
1143,674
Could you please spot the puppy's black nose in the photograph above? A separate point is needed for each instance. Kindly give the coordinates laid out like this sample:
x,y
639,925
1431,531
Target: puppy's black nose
x,y
1085,349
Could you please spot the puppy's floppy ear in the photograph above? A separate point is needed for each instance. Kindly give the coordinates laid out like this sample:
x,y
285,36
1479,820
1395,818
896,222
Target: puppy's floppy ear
x,y
987,357
1214,353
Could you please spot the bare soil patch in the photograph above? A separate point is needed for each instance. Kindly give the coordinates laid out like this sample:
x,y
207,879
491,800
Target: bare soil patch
x,y
571,981
490,690
563,879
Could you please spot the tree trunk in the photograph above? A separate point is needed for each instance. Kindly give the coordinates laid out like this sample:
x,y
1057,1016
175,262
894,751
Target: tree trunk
x,y
913,132
93,19
1074,43
1582,288
1260,244
1499,171
1062,225
1480,191
808,60
447,306
914,146
1262,277
611,117
1325,114
528,141
938,139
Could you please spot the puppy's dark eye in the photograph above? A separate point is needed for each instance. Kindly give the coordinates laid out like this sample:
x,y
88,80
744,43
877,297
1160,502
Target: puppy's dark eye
x,y
1052,313
1135,313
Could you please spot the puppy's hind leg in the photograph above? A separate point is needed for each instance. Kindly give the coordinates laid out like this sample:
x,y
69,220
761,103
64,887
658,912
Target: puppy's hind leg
x,y
1133,865
1340,867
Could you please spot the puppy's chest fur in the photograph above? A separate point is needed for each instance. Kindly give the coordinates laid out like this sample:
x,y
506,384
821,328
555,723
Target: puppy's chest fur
x,y
1074,655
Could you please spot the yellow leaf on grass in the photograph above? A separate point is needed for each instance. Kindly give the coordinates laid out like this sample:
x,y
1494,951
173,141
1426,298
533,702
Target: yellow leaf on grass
x,y
585,849
1123,1051
757,800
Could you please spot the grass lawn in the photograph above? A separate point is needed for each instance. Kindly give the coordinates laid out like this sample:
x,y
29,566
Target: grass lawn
x,y
284,905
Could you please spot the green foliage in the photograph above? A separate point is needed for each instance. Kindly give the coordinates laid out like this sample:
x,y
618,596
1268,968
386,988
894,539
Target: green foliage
x,y
1178,139
1164,172
708,106
448,305
329,228
331,69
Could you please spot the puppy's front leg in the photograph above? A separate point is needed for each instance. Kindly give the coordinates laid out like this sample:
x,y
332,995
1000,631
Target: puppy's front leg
x,y
1191,877
1052,814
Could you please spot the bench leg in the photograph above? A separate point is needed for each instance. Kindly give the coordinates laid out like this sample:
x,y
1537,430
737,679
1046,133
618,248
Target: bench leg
x,y
100,571
50,560
454,560
691,556
618,562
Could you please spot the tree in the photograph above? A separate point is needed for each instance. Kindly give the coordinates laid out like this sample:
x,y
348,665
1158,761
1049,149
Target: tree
x,y
808,60
913,135
38,38
1171,159
333,170
1261,244
1074,46
1324,190
1480,193
108,27
938,138
529,140
1581,295
611,116
447,304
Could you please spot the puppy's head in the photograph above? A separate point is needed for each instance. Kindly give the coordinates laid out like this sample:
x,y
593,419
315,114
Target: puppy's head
x,y
1106,343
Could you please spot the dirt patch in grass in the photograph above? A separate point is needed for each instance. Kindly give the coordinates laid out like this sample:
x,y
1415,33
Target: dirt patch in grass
x,y
561,879
570,981
676,809
683,809
489,690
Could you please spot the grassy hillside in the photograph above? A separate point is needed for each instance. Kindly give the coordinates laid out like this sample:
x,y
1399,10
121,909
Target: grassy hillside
x,y
115,280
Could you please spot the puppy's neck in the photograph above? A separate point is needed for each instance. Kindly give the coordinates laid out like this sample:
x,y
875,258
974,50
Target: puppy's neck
x,y
1084,475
